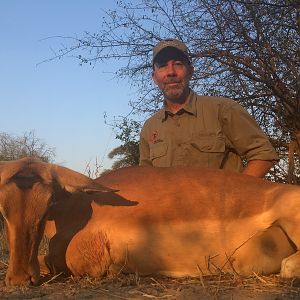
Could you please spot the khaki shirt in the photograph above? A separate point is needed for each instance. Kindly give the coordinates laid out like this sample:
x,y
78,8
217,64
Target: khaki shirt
x,y
199,133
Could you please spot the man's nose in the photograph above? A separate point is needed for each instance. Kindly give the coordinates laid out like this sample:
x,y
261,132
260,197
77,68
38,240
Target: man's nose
x,y
171,69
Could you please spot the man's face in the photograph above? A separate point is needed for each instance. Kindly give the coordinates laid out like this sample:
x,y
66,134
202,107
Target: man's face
x,y
172,76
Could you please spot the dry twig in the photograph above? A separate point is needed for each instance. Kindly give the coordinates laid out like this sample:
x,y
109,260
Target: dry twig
x,y
51,279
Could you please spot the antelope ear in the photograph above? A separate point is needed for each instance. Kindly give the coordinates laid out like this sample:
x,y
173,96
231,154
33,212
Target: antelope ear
x,y
8,169
27,167
73,181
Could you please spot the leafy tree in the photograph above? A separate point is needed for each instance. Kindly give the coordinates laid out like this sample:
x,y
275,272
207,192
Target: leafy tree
x,y
126,155
247,50
16,147
127,131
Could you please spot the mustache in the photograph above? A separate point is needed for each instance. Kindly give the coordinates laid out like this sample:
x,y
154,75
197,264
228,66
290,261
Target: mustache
x,y
172,81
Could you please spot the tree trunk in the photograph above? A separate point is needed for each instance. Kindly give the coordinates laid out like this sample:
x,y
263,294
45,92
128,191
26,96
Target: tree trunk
x,y
294,149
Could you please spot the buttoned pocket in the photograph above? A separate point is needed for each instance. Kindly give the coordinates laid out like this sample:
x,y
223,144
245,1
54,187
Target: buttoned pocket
x,y
207,151
158,150
209,144
158,154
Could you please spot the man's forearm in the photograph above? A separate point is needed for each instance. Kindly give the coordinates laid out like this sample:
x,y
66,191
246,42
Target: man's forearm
x,y
258,168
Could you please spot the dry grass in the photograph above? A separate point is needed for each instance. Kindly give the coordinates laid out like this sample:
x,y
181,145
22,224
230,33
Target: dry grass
x,y
133,286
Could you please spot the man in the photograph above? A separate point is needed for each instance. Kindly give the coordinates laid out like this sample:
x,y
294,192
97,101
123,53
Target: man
x,y
193,130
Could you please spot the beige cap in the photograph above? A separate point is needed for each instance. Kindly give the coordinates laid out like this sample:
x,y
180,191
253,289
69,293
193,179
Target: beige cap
x,y
174,43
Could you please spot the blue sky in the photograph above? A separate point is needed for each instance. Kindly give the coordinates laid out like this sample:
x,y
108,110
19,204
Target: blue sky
x,y
61,101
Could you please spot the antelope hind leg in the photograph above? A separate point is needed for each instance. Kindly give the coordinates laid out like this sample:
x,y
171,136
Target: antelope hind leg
x,y
264,252
290,266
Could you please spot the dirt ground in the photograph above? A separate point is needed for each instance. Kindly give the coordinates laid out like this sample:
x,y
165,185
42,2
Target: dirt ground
x,y
132,286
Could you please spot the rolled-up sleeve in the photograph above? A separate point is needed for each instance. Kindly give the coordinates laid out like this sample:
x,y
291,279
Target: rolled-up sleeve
x,y
246,136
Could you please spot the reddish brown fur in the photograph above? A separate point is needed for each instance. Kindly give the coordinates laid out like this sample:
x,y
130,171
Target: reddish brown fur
x,y
26,191
172,221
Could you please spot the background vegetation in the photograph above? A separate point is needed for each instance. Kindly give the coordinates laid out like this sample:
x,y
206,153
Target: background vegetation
x,y
246,50
16,147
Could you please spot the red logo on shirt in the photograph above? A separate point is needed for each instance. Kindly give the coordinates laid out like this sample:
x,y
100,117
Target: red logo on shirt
x,y
153,136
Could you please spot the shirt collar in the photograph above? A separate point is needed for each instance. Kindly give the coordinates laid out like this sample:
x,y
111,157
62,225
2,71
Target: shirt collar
x,y
189,107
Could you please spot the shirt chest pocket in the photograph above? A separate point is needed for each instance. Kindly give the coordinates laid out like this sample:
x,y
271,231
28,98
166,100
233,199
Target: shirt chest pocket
x,y
158,154
207,151
209,144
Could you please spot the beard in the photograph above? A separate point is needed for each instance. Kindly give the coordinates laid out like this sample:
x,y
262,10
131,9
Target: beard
x,y
176,93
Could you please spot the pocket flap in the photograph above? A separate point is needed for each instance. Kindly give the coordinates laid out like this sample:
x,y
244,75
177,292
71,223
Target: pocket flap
x,y
158,150
209,144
